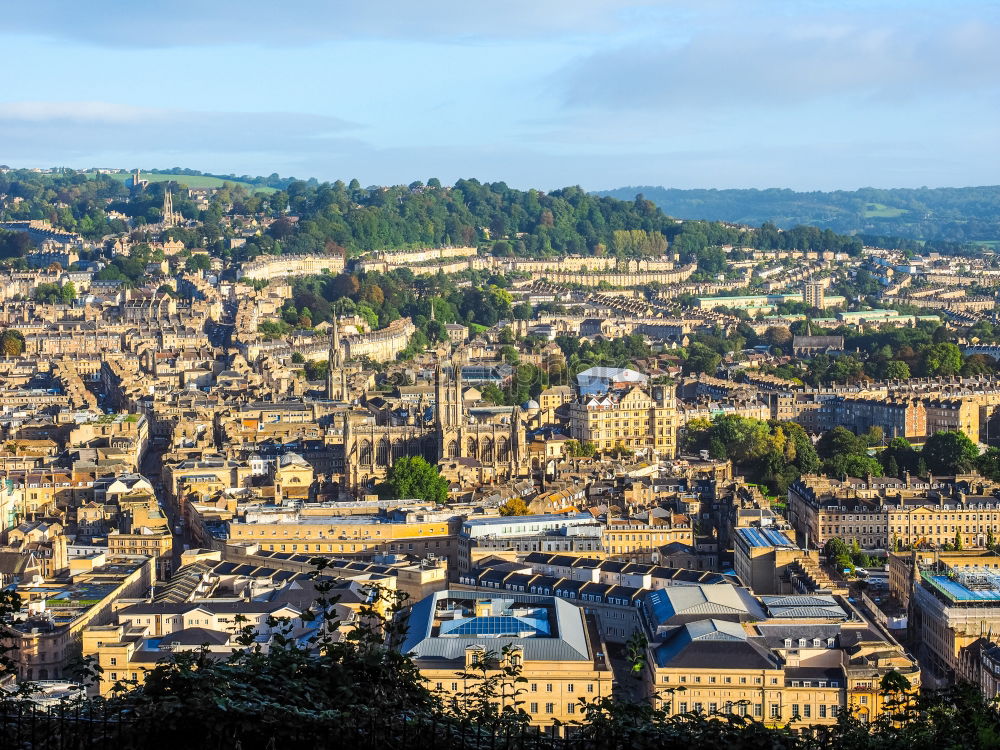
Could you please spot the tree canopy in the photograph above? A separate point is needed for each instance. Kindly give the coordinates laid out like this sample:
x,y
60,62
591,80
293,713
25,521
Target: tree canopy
x,y
412,477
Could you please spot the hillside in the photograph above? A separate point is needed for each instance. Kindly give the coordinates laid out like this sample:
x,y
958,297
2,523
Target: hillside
x,y
194,181
968,214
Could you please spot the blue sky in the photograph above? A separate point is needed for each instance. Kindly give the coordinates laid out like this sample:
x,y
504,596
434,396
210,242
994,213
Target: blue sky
x,y
804,94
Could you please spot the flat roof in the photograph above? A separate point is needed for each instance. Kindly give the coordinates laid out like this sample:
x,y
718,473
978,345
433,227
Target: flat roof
x,y
958,592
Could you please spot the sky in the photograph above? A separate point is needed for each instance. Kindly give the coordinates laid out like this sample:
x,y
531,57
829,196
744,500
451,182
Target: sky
x,y
804,94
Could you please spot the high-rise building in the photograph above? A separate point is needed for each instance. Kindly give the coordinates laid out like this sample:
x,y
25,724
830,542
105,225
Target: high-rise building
x,y
813,294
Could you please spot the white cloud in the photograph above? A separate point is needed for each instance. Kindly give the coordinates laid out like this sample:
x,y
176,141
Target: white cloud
x,y
776,62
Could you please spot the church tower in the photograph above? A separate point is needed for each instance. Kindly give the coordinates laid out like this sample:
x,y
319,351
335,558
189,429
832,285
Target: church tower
x,y
336,373
169,216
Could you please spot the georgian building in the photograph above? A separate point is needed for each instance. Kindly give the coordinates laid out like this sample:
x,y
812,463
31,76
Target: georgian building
x,y
883,512
630,419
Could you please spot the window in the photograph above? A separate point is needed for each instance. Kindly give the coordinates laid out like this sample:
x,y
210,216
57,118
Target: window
x,y
822,711
569,688
533,708
114,661
454,687
775,711
534,687
550,708
807,710
682,708
440,686
713,708
570,708
548,687
758,710
795,709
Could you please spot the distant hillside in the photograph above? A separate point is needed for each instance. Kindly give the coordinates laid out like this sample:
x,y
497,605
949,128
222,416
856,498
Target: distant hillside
x,y
970,214
194,180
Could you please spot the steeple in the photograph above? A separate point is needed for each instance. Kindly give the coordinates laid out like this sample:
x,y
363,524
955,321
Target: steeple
x,y
169,217
336,375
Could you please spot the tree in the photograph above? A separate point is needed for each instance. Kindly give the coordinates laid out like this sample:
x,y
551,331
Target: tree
x,y
514,507
68,292
988,464
838,442
412,477
835,548
11,343
198,262
701,359
897,369
941,359
779,336
576,448
950,452
900,455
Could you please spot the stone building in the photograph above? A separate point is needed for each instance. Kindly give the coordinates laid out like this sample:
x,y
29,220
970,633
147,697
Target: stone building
x,y
490,439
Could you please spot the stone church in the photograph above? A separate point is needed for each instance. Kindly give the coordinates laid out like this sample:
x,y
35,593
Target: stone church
x,y
488,441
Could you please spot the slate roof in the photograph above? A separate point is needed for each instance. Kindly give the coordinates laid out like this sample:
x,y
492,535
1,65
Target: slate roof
x,y
713,643
676,604
568,641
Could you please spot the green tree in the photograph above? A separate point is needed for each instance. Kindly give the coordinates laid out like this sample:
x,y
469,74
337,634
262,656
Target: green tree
x,y
988,464
897,369
576,448
412,477
67,293
198,262
941,359
835,548
701,359
840,441
950,452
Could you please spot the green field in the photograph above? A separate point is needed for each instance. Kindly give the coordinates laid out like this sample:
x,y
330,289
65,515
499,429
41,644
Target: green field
x,y
882,211
194,181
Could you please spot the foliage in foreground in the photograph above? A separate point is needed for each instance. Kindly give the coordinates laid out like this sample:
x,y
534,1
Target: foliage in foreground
x,y
360,690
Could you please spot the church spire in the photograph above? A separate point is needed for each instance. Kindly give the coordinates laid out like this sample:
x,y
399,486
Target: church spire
x,y
169,216
336,376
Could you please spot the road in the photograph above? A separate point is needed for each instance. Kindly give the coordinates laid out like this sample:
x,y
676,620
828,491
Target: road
x,y
150,468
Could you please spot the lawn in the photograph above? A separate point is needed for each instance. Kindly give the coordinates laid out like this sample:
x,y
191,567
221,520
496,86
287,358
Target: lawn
x,y
882,211
194,181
